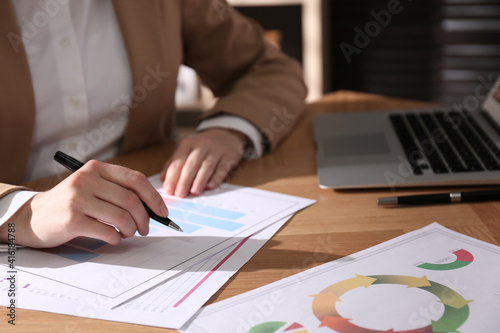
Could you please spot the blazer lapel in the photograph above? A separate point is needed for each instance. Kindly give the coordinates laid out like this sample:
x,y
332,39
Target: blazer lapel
x,y
17,101
154,68
154,52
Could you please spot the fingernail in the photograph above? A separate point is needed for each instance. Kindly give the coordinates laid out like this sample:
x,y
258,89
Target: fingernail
x,y
180,190
182,193
196,190
168,190
211,185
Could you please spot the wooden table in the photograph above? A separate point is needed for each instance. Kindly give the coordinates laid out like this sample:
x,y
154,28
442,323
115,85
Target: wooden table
x,y
339,224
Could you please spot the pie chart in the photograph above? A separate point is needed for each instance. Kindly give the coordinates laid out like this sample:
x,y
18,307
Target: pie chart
x,y
278,327
463,259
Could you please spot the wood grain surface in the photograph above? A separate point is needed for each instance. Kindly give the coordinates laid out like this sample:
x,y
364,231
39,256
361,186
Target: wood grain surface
x,y
338,224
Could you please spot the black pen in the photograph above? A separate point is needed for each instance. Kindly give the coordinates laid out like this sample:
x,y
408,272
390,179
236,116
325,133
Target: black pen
x,y
439,198
73,164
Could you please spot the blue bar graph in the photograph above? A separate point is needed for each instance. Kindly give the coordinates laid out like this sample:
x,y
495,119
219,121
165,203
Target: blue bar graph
x,y
206,210
207,221
186,228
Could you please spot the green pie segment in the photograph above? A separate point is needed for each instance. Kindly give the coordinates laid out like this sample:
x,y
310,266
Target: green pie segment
x,y
269,327
464,258
451,320
277,326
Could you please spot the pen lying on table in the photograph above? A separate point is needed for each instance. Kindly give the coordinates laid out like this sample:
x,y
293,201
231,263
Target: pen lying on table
x,y
73,165
439,198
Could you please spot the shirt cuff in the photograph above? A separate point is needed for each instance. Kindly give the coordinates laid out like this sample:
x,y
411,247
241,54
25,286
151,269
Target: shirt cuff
x,y
240,125
10,204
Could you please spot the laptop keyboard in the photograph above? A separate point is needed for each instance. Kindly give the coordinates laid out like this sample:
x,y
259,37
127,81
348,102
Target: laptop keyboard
x,y
445,142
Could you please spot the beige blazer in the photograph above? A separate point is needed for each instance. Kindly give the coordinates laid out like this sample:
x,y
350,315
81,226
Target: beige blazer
x,y
252,78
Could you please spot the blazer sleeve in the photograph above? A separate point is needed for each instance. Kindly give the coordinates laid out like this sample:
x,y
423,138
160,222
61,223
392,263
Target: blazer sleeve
x,y
251,78
7,189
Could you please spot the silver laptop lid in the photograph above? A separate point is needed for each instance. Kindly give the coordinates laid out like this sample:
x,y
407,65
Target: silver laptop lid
x,y
352,167
492,103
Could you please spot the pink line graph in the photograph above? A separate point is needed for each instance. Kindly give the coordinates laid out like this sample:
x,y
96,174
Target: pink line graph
x,y
210,273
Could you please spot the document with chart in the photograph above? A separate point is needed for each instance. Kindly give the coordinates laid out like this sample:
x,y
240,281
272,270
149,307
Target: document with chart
x,y
168,305
217,219
429,280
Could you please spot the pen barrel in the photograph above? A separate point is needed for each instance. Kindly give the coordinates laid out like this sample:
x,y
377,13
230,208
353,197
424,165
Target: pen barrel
x,y
487,195
424,199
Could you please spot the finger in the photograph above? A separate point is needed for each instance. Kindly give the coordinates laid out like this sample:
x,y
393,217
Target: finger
x,y
114,203
134,181
89,227
163,172
221,172
207,169
117,216
172,174
126,201
189,171
173,169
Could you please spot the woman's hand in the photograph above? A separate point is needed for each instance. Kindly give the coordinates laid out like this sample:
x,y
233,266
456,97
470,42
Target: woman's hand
x,y
202,161
100,200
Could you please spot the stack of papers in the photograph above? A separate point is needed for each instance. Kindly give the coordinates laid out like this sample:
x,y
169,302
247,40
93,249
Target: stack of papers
x,y
429,280
165,277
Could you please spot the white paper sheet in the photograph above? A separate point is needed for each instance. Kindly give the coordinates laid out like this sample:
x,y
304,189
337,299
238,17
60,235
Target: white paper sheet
x,y
429,280
214,220
169,305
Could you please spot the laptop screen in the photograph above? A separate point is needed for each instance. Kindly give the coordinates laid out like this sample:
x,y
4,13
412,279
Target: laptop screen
x,y
492,102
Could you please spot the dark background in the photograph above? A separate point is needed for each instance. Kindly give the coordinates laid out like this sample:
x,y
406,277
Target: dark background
x,y
432,50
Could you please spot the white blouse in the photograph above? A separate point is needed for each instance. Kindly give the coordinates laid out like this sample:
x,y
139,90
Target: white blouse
x,y
81,77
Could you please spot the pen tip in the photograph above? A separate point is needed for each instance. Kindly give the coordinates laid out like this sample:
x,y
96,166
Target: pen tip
x,y
176,227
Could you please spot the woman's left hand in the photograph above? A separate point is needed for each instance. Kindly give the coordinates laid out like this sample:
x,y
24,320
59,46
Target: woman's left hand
x,y
202,161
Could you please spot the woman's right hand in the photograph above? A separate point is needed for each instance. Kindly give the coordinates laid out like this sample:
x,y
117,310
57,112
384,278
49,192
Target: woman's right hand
x,y
100,200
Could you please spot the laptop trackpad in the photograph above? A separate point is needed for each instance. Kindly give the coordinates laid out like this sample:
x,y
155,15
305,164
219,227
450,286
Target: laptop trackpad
x,y
355,145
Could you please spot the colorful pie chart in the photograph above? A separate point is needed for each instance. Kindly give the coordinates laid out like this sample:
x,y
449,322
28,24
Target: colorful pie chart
x,y
278,327
455,314
463,259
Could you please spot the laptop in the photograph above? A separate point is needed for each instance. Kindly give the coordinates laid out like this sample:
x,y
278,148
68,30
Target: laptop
x,y
408,148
